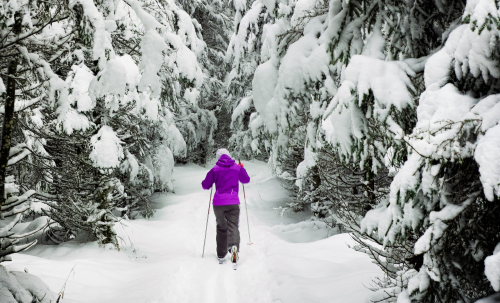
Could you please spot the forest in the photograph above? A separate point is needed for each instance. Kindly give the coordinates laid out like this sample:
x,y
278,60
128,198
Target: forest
x,y
380,118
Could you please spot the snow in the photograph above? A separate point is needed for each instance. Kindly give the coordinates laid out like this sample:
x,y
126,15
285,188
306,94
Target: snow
x,y
480,10
72,120
2,87
131,165
80,86
160,259
256,124
191,95
187,32
163,167
148,21
404,297
299,13
174,139
55,84
263,84
101,39
240,5
301,173
305,63
150,105
376,220
310,159
486,155
152,47
419,282
345,124
337,129
20,287
389,83
305,60
492,268
111,81
132,74
107,150
184,62
376,42
242,107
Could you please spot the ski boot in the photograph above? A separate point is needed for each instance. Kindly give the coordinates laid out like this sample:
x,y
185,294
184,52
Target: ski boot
x,y
234,256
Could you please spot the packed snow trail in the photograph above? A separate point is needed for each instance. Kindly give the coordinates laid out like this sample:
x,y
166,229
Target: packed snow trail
x,y
160,259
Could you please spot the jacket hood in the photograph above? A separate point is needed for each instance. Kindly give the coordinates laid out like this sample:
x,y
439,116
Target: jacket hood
x,y
225,161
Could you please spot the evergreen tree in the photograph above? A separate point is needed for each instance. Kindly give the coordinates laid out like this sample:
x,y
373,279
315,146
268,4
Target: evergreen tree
x,y
363,86
108,96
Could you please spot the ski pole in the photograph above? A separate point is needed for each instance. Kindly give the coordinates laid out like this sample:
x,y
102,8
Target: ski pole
x,y
206,227
246,210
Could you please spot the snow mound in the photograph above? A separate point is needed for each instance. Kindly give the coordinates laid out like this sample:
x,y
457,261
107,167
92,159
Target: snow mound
x,y
21,287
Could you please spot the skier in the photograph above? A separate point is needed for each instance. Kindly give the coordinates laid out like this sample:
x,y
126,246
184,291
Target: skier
x,y
226,174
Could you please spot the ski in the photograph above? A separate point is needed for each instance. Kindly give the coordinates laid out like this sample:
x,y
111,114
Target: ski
x,y
234,266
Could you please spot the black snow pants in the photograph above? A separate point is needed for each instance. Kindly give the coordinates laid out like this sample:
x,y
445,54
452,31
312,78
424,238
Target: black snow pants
x,y
228,217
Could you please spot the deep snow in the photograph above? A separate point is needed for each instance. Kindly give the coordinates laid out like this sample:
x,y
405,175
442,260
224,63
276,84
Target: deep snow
x,y
160,259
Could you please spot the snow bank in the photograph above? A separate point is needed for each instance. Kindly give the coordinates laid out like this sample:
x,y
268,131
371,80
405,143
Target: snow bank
x,y
21,287
320,271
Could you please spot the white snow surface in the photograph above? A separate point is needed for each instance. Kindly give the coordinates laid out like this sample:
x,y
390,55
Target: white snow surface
x,y
160,259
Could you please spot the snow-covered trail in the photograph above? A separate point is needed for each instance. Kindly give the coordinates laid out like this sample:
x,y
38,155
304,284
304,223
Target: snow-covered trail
x,y
160,259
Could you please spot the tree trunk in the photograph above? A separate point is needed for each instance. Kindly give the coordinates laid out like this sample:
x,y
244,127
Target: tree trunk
x,y
8,119
8,123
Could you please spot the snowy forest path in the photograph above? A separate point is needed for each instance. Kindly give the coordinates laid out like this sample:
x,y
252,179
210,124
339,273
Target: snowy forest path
x,y
292,260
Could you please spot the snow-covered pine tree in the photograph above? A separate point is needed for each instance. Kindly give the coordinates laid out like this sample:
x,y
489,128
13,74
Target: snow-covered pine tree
x,y
213,21
243,54
12,206
307,49
366,132
302,48
104,88
446,194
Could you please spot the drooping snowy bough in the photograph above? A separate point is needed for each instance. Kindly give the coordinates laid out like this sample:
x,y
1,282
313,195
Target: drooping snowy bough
x,y
19,287
384,113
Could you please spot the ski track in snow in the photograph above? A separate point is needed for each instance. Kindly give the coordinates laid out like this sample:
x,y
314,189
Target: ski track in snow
x,y
160,259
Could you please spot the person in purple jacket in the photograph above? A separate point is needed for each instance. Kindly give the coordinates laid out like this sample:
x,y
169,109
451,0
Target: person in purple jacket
x,y
226,175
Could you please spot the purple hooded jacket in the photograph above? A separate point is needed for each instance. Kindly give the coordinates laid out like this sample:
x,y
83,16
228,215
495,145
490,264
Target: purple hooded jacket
x,y
225,174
